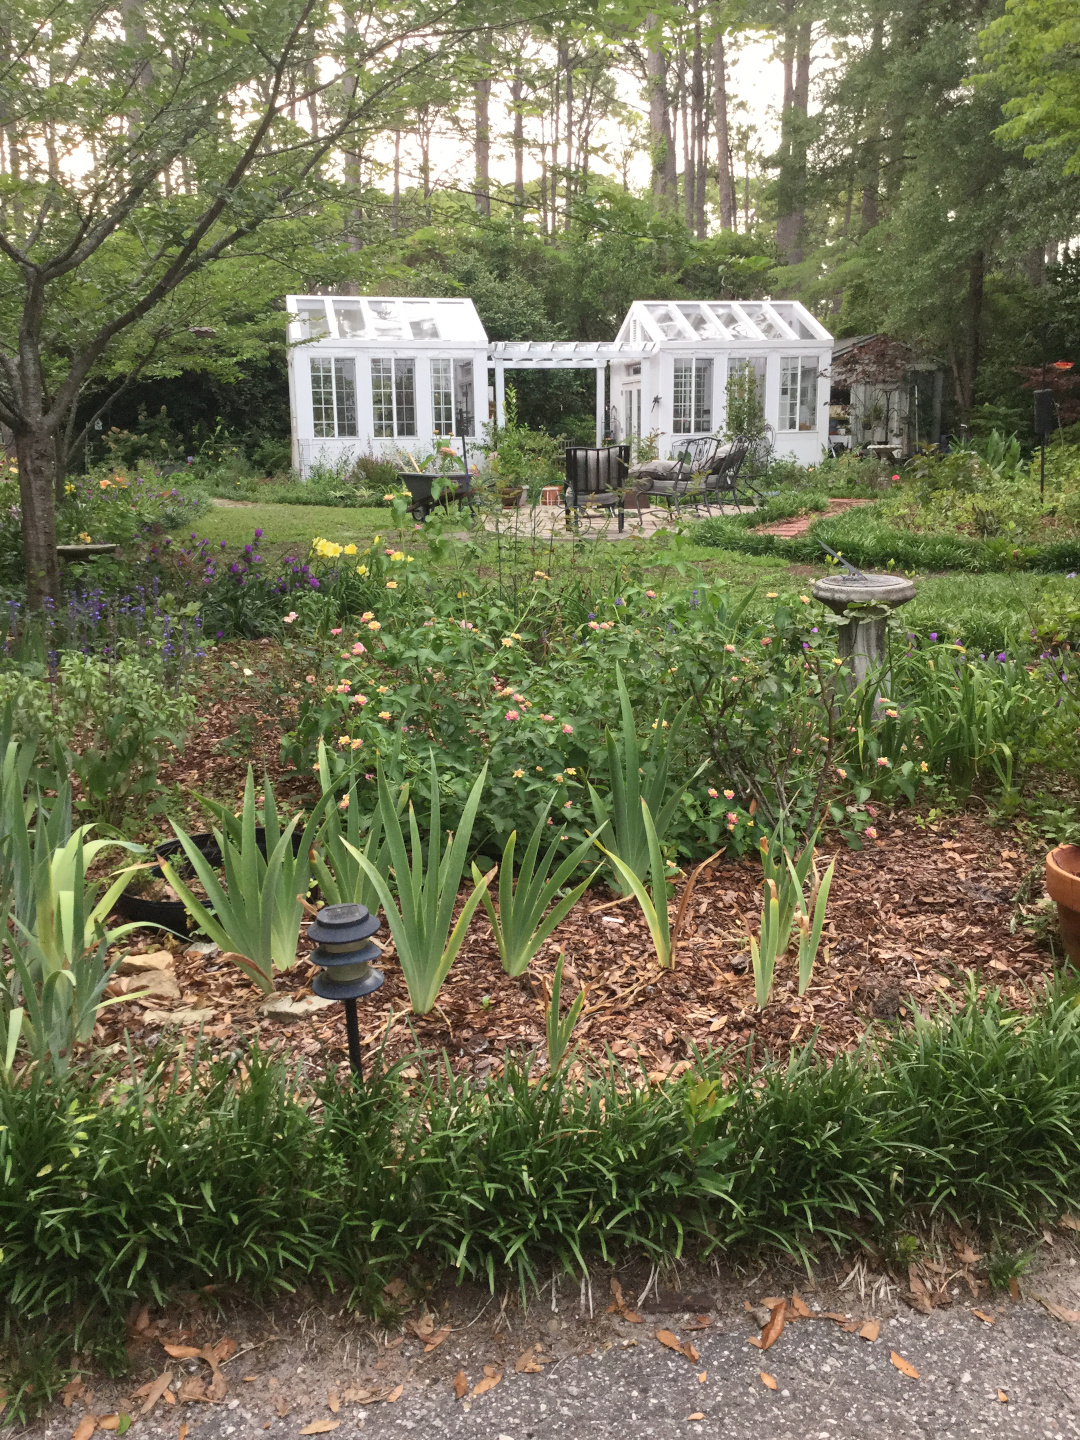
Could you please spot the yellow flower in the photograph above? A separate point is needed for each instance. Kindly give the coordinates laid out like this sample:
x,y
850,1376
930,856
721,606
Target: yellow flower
x,y
924,767
383,689
559,779
85,538
391,584
104,484
837,661
514,635
349,550
384,714
397,555
507,641
368,615
570,770
408,559
388,497
772,595
68,489
344,740
374,626
805,599
541,575
540,768
519,774
361,569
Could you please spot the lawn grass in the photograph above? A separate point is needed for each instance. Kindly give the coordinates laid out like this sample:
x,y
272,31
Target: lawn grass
x,y
291,529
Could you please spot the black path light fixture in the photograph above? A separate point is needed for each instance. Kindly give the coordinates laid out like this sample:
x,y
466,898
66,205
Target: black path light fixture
x,y
344,951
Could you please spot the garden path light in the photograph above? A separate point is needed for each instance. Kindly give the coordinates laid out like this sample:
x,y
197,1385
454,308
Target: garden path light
x,y
344,952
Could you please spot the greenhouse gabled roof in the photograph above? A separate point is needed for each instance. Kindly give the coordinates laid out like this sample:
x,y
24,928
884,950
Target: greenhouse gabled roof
x,y
380,318
693,321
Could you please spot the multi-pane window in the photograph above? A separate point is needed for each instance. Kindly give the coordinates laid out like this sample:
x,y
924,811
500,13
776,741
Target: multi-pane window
x,y
452,397
333,397
798,392
442,397
692,400
464,408
393,398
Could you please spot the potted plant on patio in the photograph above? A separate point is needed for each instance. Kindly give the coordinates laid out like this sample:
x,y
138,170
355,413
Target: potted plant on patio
x,y
1063,887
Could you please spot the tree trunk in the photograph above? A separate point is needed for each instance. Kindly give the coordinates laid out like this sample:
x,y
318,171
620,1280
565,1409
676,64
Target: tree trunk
x,y
564,56
701,136
791,182
482,141
968,368
723,139
659,128
519,141
35,452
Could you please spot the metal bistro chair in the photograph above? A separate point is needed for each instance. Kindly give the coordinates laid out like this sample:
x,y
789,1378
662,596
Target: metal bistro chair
x,y
596,476
707,468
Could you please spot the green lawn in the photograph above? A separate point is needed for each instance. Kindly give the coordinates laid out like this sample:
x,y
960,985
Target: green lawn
x,y
291,528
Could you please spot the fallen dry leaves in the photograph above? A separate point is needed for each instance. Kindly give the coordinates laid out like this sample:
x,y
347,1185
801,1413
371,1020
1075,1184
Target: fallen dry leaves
x,y
904,1366
85,1428
982,1315
773,1328
320,1427
492,1375
619,1305
1059,1312
697,1415
799,1305
682,1347
461,1384
395,1394
769,1381
870,1330
437,1338
153,1390
1003,1397
333,1400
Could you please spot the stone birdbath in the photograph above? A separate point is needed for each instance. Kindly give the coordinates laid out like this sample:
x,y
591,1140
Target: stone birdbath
x,y
861,642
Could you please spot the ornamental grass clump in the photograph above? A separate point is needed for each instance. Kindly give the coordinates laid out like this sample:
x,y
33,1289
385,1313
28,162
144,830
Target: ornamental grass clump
x,y
255,917
421,918
520,926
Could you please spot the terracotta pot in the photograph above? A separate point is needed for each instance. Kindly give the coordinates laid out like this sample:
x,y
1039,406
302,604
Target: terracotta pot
x,y
1063,886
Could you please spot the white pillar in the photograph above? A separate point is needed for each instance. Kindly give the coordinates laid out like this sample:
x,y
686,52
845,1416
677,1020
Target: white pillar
x,y
601,376
500,394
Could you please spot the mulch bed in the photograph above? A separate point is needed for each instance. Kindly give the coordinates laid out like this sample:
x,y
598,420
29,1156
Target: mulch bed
x,y
912,918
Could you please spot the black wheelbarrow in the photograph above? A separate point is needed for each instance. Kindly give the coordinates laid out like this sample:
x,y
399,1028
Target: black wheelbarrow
x,y
457,485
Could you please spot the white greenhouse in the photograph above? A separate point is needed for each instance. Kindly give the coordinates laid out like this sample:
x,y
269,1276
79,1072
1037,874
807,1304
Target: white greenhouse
x,y
395,376
679,388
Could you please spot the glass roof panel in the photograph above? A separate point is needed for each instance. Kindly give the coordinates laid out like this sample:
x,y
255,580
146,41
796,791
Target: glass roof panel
x,y
311,318
788,311
349,315
702,322
738,326
422,323
666,322
385,317
767,321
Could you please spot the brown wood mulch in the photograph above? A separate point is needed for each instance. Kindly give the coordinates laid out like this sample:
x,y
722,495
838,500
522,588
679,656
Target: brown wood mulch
x,y
912,917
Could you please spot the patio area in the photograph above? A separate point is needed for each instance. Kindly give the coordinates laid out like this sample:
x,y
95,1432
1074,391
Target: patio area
x,y
549,522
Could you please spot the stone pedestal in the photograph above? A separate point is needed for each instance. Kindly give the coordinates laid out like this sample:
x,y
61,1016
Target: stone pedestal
x,y
861,642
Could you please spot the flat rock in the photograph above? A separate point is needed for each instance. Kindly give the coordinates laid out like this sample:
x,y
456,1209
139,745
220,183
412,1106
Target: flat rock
x,y
140,964
202,950
160,984
178,1017
289,1007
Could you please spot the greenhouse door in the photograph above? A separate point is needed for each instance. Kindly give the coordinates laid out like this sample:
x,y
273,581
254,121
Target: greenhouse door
x,y
631,411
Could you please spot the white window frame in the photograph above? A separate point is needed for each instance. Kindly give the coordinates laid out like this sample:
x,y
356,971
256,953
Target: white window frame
x,y
333,404
442,397
390,411
799,375
691,413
